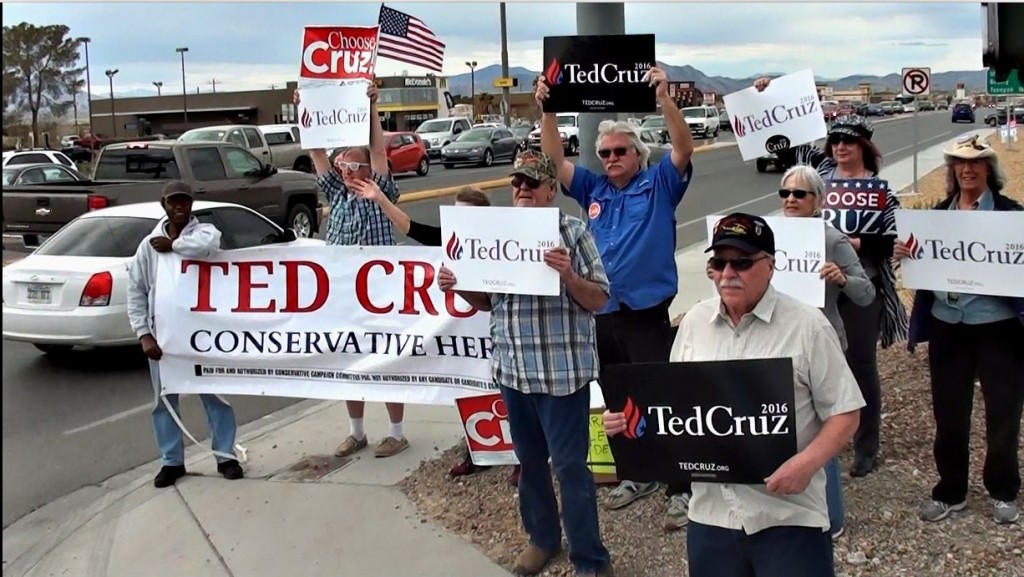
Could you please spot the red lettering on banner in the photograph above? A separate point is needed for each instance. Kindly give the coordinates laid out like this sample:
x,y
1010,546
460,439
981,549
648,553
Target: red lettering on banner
x,y
411,291
291,277
246,286
203,289
363,286
449,305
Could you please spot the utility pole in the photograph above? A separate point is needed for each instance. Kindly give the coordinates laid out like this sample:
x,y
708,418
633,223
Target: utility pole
x,y
596,19
506,105
214,84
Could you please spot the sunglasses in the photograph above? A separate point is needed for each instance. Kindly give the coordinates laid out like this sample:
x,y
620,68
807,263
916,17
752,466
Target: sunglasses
x,y
842,139
353,166
797,194
525,182
739,264
607,152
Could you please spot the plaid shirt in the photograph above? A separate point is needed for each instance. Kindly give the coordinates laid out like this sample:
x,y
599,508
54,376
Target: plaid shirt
x,y
353,220
547,345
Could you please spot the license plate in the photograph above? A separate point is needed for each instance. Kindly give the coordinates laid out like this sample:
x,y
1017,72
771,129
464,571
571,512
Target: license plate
x,y
39,294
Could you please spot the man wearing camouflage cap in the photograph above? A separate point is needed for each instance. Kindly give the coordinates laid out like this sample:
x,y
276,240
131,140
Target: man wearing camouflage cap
x,y
544,356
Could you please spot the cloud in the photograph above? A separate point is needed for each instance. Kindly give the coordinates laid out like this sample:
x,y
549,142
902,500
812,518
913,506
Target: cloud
x,y
253,46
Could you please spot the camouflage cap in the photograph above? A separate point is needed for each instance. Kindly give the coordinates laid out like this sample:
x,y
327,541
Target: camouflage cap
x,y
533,164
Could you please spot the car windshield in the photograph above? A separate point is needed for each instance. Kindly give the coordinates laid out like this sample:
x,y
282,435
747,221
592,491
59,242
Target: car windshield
x,y
476,135
434,126
203,136
690,113
522,130
654,122
566,120
115,236
9,176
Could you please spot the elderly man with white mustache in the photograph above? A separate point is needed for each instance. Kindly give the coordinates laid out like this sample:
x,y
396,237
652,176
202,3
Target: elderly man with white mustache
x,y
780,528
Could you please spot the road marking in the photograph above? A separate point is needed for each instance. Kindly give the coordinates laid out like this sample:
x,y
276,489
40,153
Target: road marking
x,y
111,419
948,132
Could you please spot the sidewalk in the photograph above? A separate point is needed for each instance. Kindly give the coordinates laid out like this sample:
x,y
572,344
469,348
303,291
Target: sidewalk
x,y
299,511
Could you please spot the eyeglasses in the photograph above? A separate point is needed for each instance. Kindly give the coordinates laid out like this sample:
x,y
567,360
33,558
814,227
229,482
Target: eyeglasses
x,y
353,166
835,139
739,264
607,152
797,194
521,181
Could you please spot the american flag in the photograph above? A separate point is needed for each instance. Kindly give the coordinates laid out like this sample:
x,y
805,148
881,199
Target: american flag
x,y
407,39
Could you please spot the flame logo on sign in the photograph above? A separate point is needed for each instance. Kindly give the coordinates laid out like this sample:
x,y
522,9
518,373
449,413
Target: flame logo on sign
x,y
915,248
553,74
454,248
737,127
636,424
307,118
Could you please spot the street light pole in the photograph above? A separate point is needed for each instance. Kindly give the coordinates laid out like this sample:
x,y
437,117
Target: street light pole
x,y
506,106
88,82
184,90
158,85
113,118
472,87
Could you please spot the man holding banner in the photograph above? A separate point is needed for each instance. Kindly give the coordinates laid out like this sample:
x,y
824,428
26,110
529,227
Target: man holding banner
x,y
778,528
354,220
544,357
632,212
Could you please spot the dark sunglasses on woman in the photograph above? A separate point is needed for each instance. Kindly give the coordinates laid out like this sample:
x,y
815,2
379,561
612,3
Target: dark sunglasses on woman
x,y
797,194
835,139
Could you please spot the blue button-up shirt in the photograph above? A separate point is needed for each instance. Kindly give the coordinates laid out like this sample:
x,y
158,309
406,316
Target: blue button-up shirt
x,y
972,309
635,230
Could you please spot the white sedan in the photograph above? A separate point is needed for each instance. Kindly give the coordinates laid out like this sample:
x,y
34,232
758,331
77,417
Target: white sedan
x,y
73,289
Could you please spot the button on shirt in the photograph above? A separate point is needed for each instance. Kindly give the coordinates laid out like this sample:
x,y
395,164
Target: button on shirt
x,y
972,309
635,230
778,327
354,220
547,344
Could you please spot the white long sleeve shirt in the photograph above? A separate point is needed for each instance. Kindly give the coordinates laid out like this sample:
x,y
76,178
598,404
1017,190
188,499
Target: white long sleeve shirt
x,y
197,240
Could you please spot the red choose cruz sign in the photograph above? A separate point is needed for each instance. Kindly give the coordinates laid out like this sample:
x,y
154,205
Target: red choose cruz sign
x,y
339,52
485,420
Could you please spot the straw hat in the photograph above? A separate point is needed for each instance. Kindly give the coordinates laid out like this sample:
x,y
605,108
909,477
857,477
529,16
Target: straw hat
x,y
971,148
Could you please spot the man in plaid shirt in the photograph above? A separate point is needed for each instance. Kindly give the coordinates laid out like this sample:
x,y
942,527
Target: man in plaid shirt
x,y
544,356
357,221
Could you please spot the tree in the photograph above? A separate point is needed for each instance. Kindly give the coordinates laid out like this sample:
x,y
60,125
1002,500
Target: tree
x,y
42,63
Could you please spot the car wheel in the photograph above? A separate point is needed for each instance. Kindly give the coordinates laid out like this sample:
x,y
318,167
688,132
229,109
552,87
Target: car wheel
x,y
424,167
762,165
449,165
54,350
488,158
715,133
303,165
300,219
574,147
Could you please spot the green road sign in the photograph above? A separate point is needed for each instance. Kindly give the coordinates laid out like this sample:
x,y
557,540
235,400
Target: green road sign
x,y
1010,86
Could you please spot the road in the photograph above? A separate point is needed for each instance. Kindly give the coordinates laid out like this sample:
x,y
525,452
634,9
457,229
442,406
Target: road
x,y
78,423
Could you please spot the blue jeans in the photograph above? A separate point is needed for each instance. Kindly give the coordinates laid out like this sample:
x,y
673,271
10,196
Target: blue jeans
x,y
834,495
169,438
775,552
545,426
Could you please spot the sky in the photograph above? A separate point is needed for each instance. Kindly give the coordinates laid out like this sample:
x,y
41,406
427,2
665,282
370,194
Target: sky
x,y
252,46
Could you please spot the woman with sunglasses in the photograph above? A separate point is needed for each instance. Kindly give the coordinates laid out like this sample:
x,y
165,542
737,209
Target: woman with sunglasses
x,y
802,191
850,154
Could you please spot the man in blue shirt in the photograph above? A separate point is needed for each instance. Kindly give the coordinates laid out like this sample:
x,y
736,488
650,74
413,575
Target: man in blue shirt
x,y
631,211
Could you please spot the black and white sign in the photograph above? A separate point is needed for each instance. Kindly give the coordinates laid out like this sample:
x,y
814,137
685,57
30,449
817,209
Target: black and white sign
x,y
917,81
710,422
599,73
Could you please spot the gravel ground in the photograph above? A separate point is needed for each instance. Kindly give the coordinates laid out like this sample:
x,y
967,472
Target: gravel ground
x,y
883,538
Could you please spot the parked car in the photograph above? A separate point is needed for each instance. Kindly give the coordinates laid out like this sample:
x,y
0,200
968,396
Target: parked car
x,y
829,109
846,108
72,291
482,146
650,122
36,156
874,110
137,172
406,153
285,145
723,120
77,153
21,174
926,105
438,132
1000,116
962,111
657,141
568,130
702,120
286,153
943,105
69,141
522,133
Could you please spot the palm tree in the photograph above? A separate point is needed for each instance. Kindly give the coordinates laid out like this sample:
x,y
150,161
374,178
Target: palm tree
x,y
75,87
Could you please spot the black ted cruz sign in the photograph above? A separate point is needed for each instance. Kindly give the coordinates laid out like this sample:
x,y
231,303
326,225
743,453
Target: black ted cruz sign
x,y
710,422
599,73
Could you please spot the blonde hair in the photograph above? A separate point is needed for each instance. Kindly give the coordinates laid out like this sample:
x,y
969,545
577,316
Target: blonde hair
x,y
812,179
609,127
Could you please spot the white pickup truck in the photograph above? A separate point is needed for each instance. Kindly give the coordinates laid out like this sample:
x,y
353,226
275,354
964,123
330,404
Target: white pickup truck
x,y
568,129
274,144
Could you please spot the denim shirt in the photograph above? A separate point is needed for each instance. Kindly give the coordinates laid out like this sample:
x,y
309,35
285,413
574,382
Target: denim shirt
x,y
971,309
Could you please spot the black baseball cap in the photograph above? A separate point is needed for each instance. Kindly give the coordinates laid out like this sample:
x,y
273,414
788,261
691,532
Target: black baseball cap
x,y
747,232
177,188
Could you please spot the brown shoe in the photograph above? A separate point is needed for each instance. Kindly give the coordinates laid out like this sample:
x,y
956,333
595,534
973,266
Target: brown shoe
x,y
350,445
390,446
533,560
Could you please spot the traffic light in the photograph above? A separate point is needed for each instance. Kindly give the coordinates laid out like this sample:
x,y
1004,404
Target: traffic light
x,y
515,82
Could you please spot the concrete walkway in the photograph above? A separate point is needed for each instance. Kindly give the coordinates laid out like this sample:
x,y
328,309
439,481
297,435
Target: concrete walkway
x,y
299,511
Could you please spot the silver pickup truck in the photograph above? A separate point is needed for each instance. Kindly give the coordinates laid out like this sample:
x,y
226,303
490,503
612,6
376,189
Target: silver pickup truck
x,y
274,144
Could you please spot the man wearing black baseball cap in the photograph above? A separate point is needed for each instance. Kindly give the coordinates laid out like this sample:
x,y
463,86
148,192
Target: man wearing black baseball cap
x,y
781,527
184,234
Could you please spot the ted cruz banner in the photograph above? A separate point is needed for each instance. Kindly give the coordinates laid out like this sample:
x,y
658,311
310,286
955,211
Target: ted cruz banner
x,y
785,115
321,322
799,256
963,251
338,64
856,206
501,249
599,73
713,422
